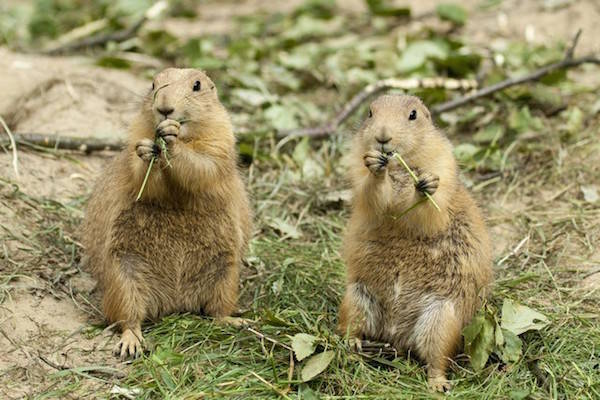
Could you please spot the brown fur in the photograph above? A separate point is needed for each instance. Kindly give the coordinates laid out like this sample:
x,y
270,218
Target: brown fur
x,y
414,281
179,248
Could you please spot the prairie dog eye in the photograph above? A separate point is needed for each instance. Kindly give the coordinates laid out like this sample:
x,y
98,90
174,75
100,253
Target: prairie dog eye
x,y
152,86
370,113
413,115
196,87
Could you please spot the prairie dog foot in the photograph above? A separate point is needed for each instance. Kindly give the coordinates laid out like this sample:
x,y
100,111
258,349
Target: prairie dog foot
x,y
168,130
236,322
130,345
376,161
439,383
146,149
428,182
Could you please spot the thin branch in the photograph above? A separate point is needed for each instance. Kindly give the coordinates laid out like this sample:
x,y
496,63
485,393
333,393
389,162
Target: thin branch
x,y
571,49
331,126
118,36
13,145
52,364
265,337
533,76
86,145
373,89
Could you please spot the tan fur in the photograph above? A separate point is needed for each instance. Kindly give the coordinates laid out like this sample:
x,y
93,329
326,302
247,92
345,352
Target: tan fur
x,y
179,248
417,280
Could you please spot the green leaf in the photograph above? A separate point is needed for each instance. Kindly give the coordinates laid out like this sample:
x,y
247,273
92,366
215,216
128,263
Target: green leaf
x,y
316,364
381,8
489,134
416,53
479,339
274,320
518,318
521,120
301,151
252,97
465,152
574,120
113,62
452,12
280,117
303,345
519,394
512,348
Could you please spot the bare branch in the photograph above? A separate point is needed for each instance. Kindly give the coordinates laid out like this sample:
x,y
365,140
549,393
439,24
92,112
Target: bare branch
x,y
571,49
84,144
331,126
371,90
533,76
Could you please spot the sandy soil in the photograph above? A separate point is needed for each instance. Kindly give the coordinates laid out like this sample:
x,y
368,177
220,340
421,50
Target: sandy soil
x,y
70,96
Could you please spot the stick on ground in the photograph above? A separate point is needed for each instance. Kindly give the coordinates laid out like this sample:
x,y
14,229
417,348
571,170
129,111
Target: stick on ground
x,y
13,145
331,127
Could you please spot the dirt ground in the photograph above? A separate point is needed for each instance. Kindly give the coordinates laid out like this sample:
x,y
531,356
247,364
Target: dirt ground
x,y
44,330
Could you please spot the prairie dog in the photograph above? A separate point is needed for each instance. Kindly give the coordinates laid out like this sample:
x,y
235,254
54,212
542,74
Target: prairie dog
x,y
180,246
414,280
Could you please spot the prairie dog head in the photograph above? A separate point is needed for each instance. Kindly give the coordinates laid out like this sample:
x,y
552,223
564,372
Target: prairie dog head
x,y
190,97
396,123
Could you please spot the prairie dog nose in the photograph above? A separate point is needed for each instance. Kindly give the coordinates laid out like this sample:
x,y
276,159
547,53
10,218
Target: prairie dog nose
x,y
165,110
383,139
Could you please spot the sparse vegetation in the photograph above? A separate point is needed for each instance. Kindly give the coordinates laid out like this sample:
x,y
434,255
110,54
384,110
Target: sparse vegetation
x,y
530,154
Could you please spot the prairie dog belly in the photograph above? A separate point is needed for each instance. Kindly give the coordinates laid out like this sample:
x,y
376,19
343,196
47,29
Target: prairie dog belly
x,y
174,251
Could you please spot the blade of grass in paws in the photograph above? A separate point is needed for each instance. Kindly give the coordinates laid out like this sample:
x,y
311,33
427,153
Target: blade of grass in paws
x,y
163,149
145,178
399,158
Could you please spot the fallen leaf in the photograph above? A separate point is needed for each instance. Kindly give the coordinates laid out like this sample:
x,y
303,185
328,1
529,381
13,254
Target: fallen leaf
x,y
518,318
285,228
316,364
303,345
452,12
512,347
590,193
416,53
479,340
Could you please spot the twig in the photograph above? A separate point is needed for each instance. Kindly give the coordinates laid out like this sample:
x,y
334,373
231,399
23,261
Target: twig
x,y
265,337
52,364
86,145
533,76
371,90
571,49
270,385
15,158
118,36
330,127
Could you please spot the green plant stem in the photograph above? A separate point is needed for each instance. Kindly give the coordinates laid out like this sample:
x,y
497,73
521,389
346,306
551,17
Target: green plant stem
x,y
399,158
145,178
409,208
163,149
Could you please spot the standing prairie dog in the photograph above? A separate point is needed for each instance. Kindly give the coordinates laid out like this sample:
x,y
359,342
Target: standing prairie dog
x,y
180,246
417,279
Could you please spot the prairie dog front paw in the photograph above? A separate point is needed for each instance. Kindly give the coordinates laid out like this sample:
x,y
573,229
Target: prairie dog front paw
x,y
427,183
146,149
168,130
376,161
